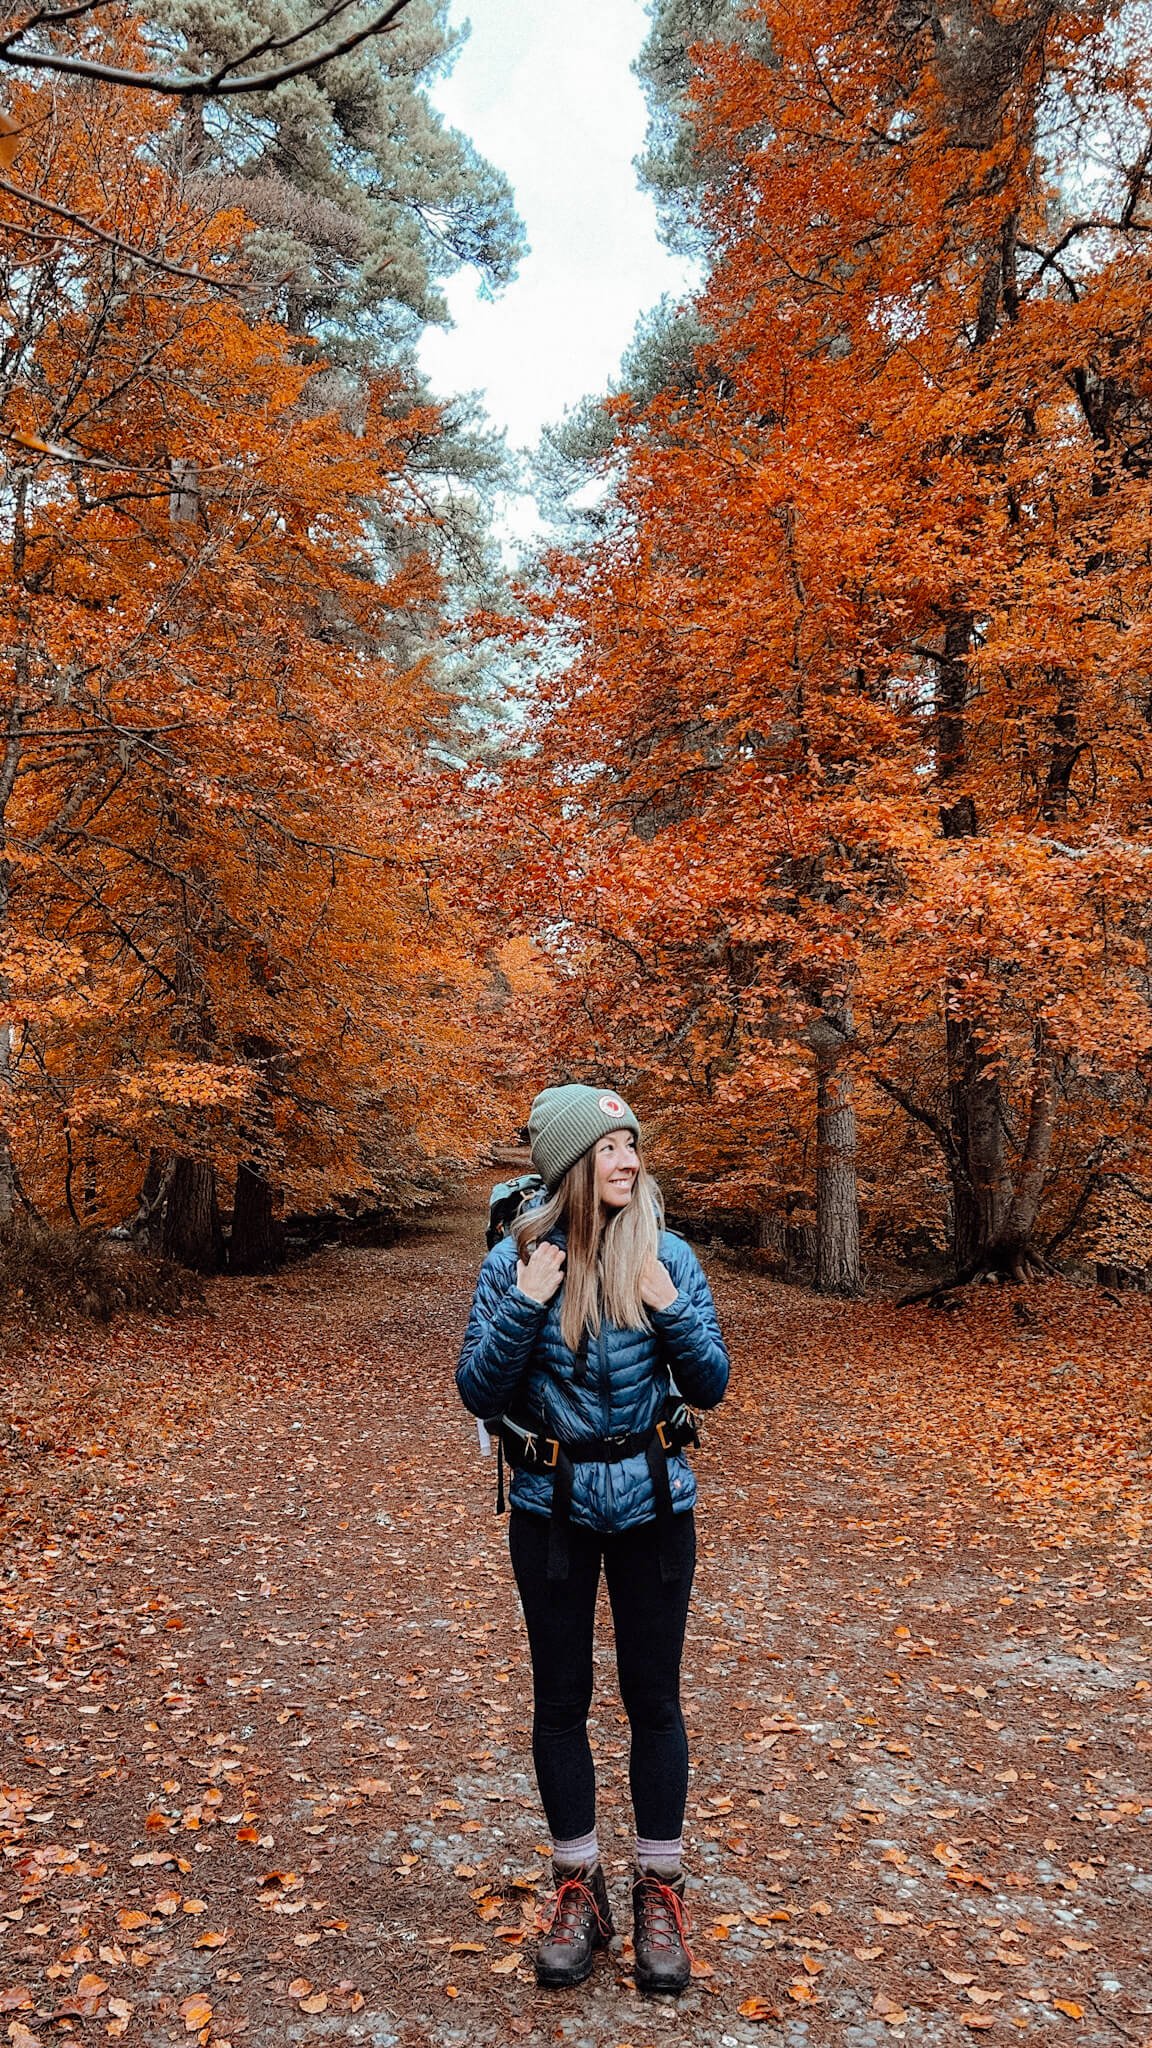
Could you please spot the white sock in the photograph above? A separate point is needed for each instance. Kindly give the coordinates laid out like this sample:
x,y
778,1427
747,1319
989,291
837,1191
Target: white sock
x,y
577,1854
664,1859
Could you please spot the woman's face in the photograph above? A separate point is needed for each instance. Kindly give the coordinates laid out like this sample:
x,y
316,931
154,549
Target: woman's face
x,y
616,1169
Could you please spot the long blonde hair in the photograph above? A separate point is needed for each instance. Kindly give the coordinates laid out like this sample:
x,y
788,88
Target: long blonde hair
x,y
606,1250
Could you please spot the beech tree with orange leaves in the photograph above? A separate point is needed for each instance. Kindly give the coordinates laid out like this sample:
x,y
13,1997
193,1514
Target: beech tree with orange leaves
x,y
843,775
227,944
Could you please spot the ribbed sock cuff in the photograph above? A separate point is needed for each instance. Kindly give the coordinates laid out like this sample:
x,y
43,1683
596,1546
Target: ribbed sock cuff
x,y
665,1859
577,1854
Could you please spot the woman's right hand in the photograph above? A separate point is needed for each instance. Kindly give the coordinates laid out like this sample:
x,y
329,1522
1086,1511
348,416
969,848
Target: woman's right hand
x,y
542,1275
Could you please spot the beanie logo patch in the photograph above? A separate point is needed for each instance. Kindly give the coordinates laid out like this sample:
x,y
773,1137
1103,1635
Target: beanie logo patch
x,y
612,1105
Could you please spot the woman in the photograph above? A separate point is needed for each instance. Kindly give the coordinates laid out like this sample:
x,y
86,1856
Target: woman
x,y
590,1328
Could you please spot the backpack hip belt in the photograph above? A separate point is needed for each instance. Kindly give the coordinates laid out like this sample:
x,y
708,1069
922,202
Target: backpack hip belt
x,y
531,1449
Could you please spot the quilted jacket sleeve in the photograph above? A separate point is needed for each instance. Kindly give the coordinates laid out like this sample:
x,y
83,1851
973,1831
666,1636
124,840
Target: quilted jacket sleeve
x,y
501,1335
696,1352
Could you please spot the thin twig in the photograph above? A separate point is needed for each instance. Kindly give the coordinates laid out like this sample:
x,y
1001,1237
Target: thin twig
x,y
111,241
204,85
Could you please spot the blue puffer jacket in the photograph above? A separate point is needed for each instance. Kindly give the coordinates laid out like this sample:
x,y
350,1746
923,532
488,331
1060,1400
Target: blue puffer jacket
x,y
514,1359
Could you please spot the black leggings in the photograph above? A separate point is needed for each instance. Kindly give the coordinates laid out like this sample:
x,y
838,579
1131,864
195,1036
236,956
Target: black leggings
x,y
649,1616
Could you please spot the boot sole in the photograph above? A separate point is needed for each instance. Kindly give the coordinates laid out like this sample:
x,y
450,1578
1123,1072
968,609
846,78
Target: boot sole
x,y
658,1988
549,1982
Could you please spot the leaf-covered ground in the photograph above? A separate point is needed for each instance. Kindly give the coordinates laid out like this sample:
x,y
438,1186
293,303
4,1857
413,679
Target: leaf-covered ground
x,y
265,1711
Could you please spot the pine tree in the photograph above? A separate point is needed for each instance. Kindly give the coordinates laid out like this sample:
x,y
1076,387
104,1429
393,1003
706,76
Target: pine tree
x,y
673,166
363,199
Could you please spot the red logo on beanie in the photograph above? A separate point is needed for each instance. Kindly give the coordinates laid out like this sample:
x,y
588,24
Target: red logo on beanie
x,y
612,1105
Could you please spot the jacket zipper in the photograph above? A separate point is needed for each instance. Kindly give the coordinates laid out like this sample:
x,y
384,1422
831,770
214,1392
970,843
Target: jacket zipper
x,y
606,1413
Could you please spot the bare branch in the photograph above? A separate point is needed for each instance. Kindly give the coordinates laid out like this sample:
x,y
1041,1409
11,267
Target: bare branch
x,y
918,1113
199,85
110,241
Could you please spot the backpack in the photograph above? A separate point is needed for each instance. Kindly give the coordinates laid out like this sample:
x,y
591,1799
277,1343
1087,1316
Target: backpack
x,y
505,1203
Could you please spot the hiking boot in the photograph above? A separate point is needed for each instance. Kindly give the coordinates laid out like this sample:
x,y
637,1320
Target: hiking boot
x,y
581,1923
663,1958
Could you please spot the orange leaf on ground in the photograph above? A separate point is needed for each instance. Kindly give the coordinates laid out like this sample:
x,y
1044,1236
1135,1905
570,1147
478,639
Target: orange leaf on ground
x,y
889,2010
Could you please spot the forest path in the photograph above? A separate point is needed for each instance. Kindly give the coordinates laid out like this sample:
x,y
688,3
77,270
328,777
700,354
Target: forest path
x,y
266,1765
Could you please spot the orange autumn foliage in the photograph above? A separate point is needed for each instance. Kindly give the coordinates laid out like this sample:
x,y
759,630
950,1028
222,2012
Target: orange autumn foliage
x,y
844,781
226,932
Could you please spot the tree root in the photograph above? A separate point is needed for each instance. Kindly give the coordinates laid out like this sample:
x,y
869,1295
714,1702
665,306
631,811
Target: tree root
x,y
1007,1265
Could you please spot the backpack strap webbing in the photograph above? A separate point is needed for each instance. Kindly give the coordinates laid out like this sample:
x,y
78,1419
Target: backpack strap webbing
x,y
529,1447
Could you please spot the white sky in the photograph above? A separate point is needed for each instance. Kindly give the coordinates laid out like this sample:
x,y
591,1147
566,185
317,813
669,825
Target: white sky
x,y
545,90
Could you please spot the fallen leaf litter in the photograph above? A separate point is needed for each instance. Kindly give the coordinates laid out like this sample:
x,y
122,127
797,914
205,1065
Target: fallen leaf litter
x,y
258,1605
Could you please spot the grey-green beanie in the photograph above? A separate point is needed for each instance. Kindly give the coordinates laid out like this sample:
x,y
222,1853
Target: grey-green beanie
x,y
566,1122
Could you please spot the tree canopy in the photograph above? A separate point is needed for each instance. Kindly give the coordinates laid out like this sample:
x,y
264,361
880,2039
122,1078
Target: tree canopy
x,y
843,772
238,528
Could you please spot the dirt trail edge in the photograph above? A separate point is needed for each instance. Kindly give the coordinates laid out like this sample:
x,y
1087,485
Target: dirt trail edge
x,y
266,1770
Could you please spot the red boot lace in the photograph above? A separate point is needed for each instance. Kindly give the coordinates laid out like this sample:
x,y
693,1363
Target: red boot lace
x,y
665,1916
564,1925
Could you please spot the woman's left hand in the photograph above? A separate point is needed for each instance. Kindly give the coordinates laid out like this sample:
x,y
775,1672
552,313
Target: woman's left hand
x,y
657,1287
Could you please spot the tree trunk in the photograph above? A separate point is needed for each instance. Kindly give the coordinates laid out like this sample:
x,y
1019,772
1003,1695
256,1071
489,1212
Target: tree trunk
x,y
257,1240
7,1165
147,1221
951,712
1064,753
9,764
184,493
770,1234
1033,1172
980,1189
800,1250
90,1185
1138,1279
837,1200
185,1224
